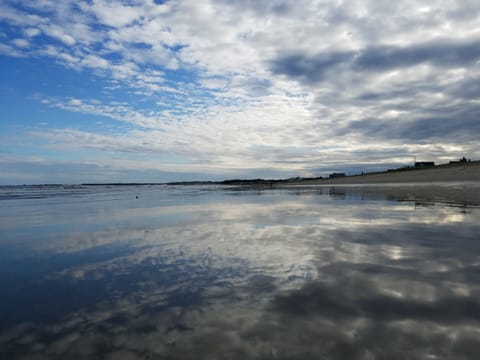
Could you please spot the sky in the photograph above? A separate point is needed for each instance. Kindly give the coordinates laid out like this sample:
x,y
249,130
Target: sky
x,y
178,90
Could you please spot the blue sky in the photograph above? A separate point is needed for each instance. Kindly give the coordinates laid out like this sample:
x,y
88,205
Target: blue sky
x,y
110,90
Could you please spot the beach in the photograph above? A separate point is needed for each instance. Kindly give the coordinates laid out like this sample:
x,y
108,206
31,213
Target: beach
x,y
443,173
452,184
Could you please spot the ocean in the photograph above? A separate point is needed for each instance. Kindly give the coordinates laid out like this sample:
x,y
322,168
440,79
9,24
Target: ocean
x,y
218,272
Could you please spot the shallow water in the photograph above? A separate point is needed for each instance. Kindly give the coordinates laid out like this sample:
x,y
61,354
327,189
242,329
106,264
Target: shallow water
x,y
224,273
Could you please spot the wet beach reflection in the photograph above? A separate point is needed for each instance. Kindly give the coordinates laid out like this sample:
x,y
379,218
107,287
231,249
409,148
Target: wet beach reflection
x,y
228,274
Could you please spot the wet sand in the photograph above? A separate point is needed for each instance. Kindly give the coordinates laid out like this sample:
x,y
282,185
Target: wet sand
x,y
458,194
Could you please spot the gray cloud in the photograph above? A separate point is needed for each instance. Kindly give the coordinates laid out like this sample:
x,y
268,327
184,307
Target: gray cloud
x,y
260,7
468,89
420,115
26,171
453,122
443,53
309,69
313,68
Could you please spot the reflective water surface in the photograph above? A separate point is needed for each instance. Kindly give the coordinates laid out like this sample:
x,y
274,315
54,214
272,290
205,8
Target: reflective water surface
x,y
156,272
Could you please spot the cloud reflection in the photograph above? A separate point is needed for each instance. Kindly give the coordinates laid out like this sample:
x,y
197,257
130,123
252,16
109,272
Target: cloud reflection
x,y
276,276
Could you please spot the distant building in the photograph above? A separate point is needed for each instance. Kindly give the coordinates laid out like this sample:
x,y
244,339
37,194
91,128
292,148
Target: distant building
x,y
336,175
462,160
424,163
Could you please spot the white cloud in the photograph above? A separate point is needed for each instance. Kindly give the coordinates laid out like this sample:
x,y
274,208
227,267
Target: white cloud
x,y
58,33
32,32
10,51
18,18
95,62
21,43
117,14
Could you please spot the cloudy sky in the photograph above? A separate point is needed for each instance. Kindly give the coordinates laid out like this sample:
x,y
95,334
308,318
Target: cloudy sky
x,y
149,90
